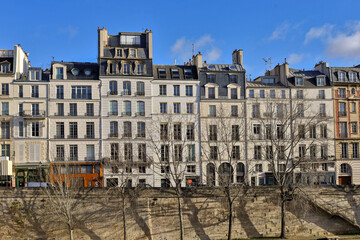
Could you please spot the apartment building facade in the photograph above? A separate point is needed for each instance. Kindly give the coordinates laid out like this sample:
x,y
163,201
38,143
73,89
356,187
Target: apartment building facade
x,y
125,63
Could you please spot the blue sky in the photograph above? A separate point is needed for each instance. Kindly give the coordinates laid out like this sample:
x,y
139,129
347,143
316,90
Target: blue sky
x,y
304,32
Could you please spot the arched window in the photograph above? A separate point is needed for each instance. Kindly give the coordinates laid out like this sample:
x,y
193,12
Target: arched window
x,y
210,174
226,174
240,172
345,168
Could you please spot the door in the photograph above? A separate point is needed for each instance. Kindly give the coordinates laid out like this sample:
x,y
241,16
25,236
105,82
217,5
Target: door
x,y
345,180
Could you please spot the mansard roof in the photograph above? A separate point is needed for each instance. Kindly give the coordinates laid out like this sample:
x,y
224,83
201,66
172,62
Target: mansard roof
x,y
180,68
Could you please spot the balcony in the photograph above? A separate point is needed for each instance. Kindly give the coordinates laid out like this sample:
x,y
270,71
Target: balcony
x,y
267,114
72,136
342,114
343,135
72,114
34,114
212,137
59,136
140,114
126,92
89,114
113,113
113,135
140,135
126,113
113,93
127,135
140,93
322,114
90,136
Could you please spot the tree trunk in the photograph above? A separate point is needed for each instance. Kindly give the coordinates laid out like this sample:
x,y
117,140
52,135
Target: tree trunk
x,y
180,218
230,219
71,234
282,234
124,216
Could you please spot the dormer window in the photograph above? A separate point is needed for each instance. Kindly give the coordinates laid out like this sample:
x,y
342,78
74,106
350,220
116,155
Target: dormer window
x,y
75,71
175,73
341,76
320,81
119,52
129,40
268,80
299,81
352,76
140,69
188,73
5,67
233,78
112,67
232,68
162,73
211,67
59,73
34,75
210,78
132,53
126,68
87,72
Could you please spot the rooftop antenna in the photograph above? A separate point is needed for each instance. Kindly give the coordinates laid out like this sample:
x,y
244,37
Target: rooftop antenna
x,y
193,50
267,63
52,58
175,61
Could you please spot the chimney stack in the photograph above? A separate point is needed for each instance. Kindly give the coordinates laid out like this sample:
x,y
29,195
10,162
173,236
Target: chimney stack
x,y
198,60
237,57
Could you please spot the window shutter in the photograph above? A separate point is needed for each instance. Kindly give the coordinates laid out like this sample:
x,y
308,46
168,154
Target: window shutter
x,y
31,152
21,153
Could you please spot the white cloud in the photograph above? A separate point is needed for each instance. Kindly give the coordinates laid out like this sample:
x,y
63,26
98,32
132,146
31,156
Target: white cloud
x,y
280,32
182,48
344,45
295,58
319,32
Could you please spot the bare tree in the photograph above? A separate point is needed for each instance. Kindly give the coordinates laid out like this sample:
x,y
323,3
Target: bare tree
x,y
223,149
283,135
173,142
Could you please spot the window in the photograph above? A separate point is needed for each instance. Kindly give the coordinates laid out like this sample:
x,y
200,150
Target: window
x,y
90,130
175,73
162,73
268,80
212,111
342,109
163,107
341,92
142,152
112,67
189,91
127,108
140,108
299,94
323,131
90,152
140,89
5,108
21,129
233,92
141,129
73,152
354,127
35,91
256,129
89,109
262,94
60,92
344,150
165,169
301,131
299,81
188,73
257,152
258,168
302,151
119,52
190,132
300,110
234,111
5,89
323,152
321,94
268,133
353,107
128,156
320,81
142,169
213,152
191,169
353,91
176,90
60,153
341,76
164,153
60,109
126,68
177,108
312,131
282,167
213,132
73,130
178,152
272,93
163,131
233,78
114,151
211,92
34,75
191,153
235,152
132,53
189,108
343,129
210,78
5,67
81,92
280,131
313,151
352,76
162,90
5,130
127,129
35,111
269,153
256,110
251,94
21,109
113,88
283,94
113,108
113,129
177,131
35,129
73,109
126,88
59,73
21,91
129,40
5,150
281,152
60,130
235,133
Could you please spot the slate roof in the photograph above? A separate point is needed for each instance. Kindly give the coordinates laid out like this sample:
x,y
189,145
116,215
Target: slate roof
x,y
335,70
181,72
82,67
264,85
222,67
309,78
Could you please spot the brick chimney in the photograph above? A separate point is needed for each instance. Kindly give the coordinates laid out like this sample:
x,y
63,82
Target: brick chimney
x,y
237,57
